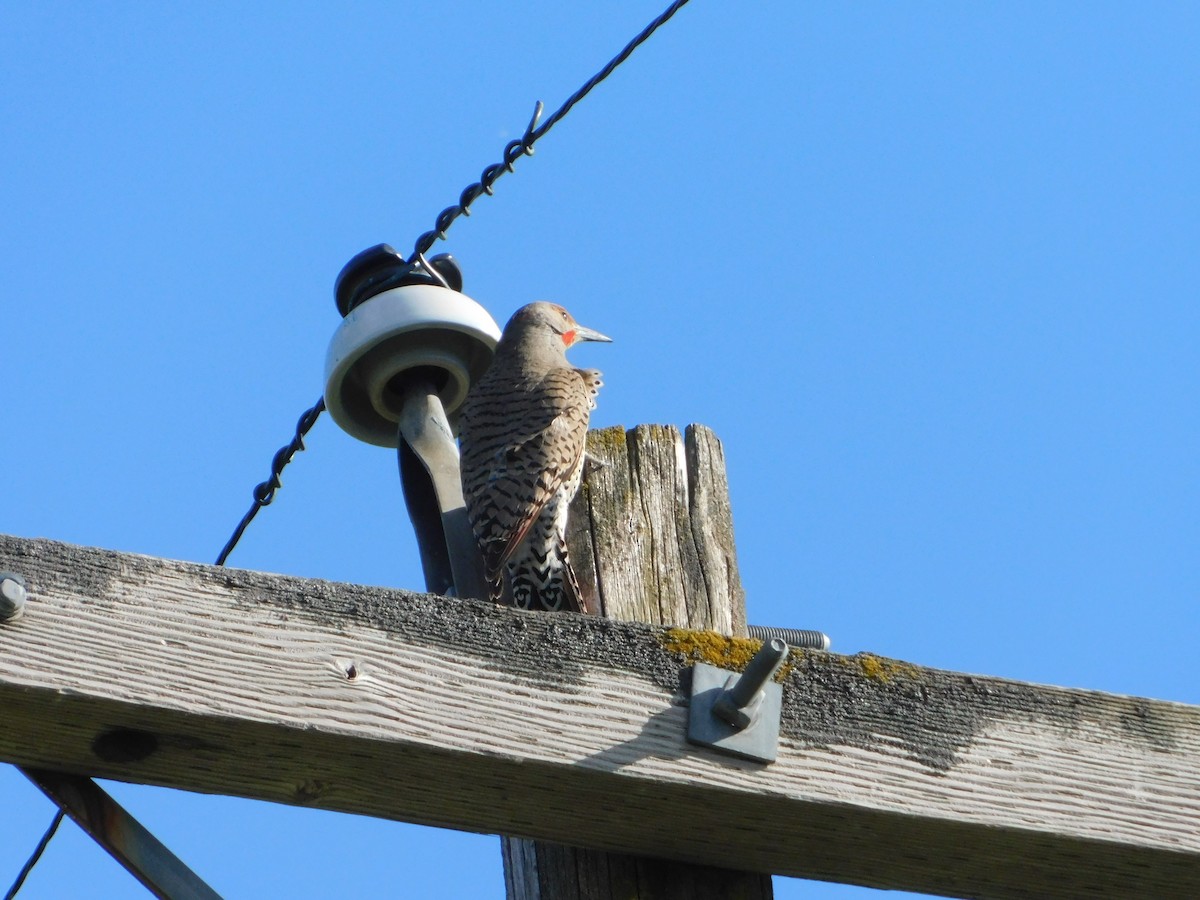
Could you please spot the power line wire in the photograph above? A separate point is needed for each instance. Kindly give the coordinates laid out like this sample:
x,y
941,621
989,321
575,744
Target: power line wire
x,y
265,491
524,147
35,856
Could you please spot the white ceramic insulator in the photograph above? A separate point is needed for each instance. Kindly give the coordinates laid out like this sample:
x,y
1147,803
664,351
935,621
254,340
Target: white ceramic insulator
x,y
418,326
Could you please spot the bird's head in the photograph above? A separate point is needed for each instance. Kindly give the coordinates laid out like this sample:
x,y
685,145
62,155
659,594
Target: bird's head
x,y
547,326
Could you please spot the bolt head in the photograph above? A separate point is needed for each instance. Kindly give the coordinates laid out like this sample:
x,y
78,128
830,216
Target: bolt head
x,y
13,595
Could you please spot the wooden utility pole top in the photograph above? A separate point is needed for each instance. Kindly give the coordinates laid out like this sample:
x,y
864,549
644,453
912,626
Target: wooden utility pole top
x,y
571,728
651,532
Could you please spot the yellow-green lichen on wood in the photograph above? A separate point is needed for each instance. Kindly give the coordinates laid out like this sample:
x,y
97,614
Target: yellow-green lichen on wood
x,y
880,668
611,439
718,650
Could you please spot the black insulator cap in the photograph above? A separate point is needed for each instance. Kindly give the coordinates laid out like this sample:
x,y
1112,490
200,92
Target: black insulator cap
x,y
447,266
381,268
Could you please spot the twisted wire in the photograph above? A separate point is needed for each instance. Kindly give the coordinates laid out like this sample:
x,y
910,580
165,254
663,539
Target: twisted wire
x,y
264,491
34,857
514,150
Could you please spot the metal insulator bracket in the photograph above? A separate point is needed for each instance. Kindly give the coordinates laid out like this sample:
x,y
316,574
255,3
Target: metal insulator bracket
x,y
737,713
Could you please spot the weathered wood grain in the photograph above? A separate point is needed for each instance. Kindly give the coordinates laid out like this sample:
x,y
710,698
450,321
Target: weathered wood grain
x,y
555,726
652,529
711,518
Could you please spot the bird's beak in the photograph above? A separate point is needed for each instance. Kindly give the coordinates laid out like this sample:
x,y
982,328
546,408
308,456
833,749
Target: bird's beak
x,y
587,334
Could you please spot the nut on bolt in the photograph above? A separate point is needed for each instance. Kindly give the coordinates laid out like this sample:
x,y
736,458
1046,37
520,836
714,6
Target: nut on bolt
x,y
13,595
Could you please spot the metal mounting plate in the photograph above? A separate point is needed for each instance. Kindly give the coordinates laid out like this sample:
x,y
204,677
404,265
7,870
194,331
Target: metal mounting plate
x,y
758,741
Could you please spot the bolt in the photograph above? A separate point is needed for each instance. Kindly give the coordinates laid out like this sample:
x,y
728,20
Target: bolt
x,y
12,596
796,637
739,702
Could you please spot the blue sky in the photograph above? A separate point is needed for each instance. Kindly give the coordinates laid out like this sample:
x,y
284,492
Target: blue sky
x,y
930,271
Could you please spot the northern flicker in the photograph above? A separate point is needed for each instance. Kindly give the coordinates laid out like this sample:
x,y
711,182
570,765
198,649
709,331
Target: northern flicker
x,y
523,433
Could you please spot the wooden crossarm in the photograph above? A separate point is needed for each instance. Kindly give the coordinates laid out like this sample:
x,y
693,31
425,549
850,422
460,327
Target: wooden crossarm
x,y
465,715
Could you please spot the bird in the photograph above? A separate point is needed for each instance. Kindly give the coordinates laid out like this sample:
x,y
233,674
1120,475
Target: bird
x,y
522,437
